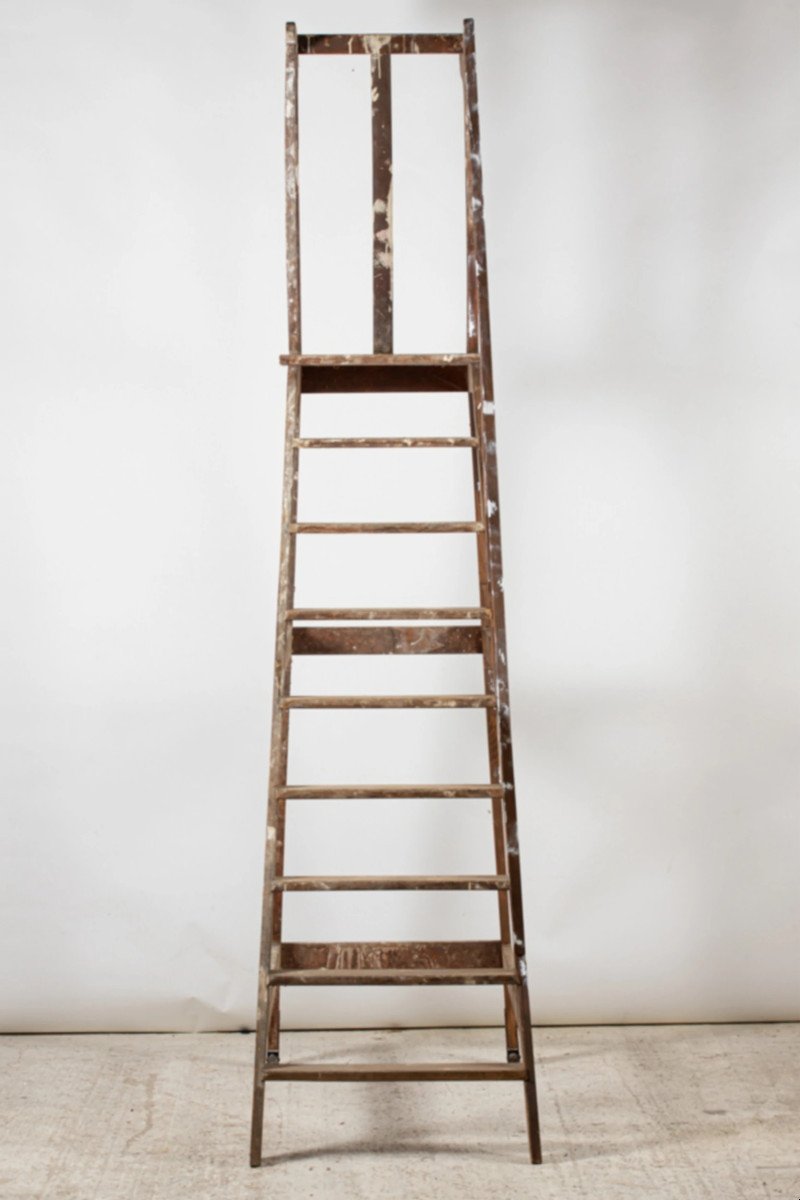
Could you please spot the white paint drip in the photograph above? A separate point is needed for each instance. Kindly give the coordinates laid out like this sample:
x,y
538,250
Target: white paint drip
x,y
491,507
488,407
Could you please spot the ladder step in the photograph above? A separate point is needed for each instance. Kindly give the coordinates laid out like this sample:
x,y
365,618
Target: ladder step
x,y
305,956
388,639
387,614
394,1072
386,527
393,977
386,443
387,702
390,883
380,360
383,791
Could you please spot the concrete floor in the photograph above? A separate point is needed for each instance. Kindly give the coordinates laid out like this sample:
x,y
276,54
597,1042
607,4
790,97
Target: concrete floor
x,y
672,1112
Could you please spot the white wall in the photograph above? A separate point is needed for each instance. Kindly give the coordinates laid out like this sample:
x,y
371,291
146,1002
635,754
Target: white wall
x,y
642,196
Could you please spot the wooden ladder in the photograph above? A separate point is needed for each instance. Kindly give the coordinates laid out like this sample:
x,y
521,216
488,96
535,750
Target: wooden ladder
x,y
478,630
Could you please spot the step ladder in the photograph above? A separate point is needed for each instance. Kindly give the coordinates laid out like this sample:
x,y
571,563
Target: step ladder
x,y
469,630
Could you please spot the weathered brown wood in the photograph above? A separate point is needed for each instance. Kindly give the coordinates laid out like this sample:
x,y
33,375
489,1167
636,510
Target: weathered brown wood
x,y
395,361
395,1072
482,382
307,964
383,791
406,977
386,378
388,701
292,152
387,443
304,956
387,639
390,883
382,248
386,614
386,527
369,43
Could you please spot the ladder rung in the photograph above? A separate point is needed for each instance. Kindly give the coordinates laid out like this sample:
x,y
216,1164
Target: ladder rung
x,y
380,360
390,883
387,639
387,702
386,527
351,956
393,977
383,791
394,1072
386,443
387,614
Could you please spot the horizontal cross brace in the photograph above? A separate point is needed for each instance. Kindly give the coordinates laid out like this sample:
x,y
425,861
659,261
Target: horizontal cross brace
x,y
387,614
384,955
385,443
387,701
386,527
392,791
409,977
387,639
395,1072
390,883
372,43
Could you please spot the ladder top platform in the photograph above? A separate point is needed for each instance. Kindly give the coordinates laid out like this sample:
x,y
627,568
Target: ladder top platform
x,y
380,360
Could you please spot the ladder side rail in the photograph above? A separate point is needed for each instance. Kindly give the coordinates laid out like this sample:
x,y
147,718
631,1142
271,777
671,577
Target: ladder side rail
x,y
292,159
487,433
382,285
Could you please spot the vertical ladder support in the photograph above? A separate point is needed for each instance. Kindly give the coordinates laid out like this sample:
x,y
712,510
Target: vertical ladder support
x,y
491,501
382,300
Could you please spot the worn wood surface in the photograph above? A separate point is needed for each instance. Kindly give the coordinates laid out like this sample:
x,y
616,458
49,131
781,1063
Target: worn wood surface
x,y
382,247
386,1072
369,43
382,639
387,614
394,791
385,955
390,883
386,443
422,701
386,527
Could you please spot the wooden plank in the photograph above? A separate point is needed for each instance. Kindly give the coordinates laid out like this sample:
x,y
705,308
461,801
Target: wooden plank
x,y
393,791
386,527
382,247
387,614
394,1072
390,883
385,378
462,701
395,361
386,443
387,639
368,43
399,977
330,956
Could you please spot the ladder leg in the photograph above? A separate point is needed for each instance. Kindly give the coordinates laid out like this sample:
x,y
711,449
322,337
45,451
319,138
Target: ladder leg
x,y
531,1101
268,1021
489,676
